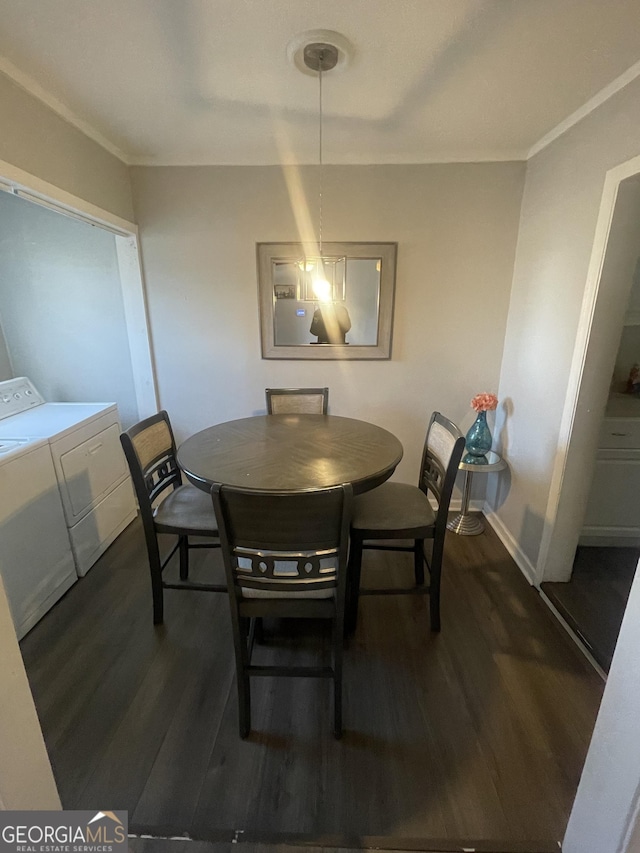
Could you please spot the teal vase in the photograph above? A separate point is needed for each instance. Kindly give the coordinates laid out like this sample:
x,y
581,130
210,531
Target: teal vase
x,y
478,440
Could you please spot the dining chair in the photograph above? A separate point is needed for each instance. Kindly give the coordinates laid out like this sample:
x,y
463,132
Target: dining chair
x,y
285,555
166,505
403,511
297,401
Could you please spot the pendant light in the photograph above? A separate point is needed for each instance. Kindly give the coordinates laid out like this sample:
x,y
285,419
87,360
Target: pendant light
x,y
320,57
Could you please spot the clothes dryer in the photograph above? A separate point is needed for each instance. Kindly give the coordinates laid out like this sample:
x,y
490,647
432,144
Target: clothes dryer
x,y
92,474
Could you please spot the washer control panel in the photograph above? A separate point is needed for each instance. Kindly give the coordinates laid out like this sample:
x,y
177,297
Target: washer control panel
x,y
17,395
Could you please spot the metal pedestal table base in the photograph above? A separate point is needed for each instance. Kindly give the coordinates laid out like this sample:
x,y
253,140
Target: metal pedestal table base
x,y
466,524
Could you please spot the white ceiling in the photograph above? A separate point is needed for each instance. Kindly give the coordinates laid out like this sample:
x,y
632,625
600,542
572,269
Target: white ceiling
x,y
209,81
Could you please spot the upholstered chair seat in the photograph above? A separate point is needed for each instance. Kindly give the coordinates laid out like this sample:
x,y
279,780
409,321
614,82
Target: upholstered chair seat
x,y
186,509
393,507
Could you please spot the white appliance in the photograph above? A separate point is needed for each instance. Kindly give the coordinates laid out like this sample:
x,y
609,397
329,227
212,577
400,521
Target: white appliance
x,y
84,443
36,561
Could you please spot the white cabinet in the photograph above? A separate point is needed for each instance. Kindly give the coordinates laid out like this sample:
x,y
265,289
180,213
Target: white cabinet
x,y
613,510
620,433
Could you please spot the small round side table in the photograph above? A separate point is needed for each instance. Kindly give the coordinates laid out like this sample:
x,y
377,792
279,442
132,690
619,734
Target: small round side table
x,y
464,523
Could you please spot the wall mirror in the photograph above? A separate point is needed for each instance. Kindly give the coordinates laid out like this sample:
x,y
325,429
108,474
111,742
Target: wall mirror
x,y
338,306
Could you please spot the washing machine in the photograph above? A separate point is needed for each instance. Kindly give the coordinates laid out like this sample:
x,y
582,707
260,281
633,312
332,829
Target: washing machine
x,y
92,474
36,560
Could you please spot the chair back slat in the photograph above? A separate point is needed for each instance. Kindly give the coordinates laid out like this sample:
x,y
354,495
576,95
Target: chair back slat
x,y
441,457
283,542
286,572
297,401
150,450
152,441
161,475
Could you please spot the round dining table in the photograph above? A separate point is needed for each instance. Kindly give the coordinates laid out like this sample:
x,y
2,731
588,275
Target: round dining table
x,y
291,453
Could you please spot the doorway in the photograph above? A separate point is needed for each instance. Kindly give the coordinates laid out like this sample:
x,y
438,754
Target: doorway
x,y
588,575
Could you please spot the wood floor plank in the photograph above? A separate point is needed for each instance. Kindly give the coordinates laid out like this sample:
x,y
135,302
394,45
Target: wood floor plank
x,y
168,797
532,736
386,756
450,723
150,714
80,701
536,649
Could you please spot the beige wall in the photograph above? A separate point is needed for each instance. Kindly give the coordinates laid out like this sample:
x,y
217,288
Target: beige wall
x,y
456,229
37,140
560,206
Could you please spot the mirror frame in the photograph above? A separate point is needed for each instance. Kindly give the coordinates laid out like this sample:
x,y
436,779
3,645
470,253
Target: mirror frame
x,y
269,252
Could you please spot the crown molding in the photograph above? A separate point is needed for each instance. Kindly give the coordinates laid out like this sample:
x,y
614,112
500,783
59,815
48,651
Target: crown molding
x,y
437,158
588,107
24,81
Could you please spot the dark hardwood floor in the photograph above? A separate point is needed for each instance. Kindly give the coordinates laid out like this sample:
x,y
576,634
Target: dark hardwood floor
x,y
477,733
594,600
238,844
154,844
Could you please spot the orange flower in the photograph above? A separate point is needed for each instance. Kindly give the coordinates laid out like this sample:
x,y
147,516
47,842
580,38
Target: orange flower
x,y
484,402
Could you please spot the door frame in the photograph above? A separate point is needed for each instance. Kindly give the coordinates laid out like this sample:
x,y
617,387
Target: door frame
x,y
583,407
27,186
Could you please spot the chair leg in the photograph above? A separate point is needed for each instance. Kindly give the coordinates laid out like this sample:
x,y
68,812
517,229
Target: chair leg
x,y
435,570
337,706
338,640
258,631
244,699
354,570
184,557
418,561
155,570
241,639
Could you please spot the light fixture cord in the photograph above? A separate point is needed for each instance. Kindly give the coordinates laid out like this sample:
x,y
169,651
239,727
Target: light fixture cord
x,y
321,59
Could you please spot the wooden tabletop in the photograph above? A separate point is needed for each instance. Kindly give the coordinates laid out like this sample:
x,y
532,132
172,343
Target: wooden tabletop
x,y
291,453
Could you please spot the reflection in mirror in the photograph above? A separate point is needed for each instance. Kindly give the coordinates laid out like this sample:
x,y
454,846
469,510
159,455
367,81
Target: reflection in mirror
x,y
337,306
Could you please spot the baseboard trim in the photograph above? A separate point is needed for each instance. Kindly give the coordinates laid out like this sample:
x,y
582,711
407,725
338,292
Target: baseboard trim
x,y
455,505
510,543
